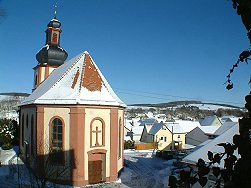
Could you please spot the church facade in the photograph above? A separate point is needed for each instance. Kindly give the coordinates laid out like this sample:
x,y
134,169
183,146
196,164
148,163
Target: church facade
x,y
71,126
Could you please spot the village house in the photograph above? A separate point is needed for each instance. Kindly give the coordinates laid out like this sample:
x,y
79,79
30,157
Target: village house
x,y
201,152
210,121
167,136
72,117
202,133
224,119
196,137
137,126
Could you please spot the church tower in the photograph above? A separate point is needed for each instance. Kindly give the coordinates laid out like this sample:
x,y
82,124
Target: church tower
x,y
51,56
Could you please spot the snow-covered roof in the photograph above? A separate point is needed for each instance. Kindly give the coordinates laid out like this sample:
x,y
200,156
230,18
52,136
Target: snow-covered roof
x,y
223,128
188,146
187,126
229,119
208,120
212,146
155,128
78,81
148,121
169,120
209,129
175,128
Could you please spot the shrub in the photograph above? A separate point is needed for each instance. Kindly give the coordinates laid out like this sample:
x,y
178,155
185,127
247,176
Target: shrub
x,y
7,146
6,133
129,144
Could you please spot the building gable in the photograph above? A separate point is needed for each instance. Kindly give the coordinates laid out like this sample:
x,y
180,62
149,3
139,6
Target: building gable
x,y
78,81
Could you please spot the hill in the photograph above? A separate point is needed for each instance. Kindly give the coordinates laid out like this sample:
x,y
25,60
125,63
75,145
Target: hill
x,y
199,104
9,102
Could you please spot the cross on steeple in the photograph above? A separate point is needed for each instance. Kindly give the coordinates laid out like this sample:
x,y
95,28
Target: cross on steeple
x,y
55,9
96,131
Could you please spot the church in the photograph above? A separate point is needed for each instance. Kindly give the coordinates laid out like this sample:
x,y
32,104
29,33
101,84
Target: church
x,y
72,120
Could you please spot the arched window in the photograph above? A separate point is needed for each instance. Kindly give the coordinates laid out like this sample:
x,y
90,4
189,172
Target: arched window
x,y
119,144
57,141
32,135
22,126
27,121
36,81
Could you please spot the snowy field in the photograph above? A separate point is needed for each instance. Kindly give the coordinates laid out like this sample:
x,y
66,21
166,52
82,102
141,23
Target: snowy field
x,y
142,169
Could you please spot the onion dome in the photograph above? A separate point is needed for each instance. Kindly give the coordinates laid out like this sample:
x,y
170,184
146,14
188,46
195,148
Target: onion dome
x,y
54,23
52,54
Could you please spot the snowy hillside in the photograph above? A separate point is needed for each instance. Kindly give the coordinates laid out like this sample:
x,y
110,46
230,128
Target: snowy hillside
x,y
9,104
211,106
177,104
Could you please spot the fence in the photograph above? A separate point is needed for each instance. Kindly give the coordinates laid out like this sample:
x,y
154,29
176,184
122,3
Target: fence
x,y
145,146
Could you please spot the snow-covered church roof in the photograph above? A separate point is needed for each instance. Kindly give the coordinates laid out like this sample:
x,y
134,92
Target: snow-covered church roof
x,y
78,81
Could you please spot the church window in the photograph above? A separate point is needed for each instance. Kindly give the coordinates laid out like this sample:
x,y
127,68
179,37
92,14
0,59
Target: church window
x,y
32,135
119,144
22,125
36,80
56,135
27,121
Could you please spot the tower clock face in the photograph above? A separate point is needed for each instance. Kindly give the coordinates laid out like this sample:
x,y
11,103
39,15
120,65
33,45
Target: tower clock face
x,y
54,38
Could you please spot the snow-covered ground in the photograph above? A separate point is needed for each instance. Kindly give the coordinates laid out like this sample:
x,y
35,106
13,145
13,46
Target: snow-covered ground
x,y
142,169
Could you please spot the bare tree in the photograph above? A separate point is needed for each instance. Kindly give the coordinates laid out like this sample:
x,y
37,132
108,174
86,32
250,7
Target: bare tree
x,y
49,169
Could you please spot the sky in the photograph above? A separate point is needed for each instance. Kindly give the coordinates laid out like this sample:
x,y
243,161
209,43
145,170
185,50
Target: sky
x,y
150,51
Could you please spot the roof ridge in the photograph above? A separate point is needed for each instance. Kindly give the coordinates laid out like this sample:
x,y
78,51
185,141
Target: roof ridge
x,y
67,70
81,78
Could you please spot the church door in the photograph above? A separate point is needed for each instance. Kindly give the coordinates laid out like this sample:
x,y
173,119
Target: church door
x,y
95,171
96,168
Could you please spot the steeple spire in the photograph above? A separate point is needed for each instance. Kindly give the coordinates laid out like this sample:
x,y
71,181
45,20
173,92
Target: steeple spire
x,y
51,55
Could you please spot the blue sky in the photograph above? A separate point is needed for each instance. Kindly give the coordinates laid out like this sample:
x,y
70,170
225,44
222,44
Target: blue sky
x,y
150,51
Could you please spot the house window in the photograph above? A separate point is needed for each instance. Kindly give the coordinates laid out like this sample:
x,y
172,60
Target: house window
x,y
178,136
57,141
161,138
165,139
